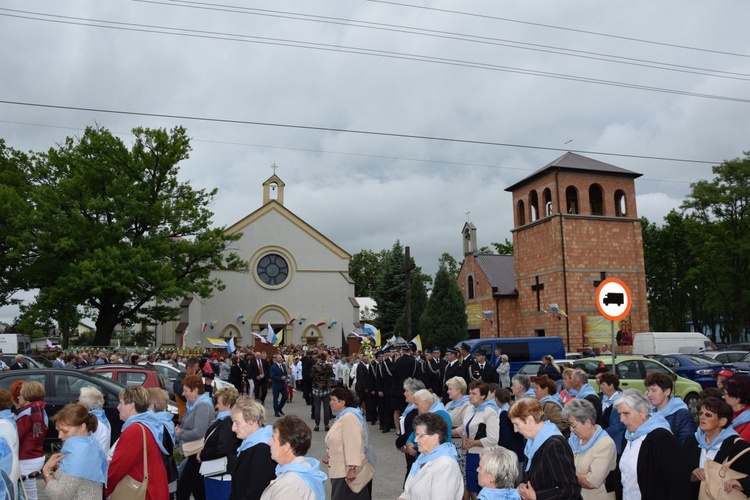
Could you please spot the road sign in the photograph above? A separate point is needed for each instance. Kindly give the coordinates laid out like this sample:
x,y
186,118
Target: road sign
x,y
613,299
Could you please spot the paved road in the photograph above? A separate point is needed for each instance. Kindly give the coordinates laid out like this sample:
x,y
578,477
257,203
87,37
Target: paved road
x,y
390,469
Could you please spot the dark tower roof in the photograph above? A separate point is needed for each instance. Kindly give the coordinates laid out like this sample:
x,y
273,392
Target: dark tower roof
x,y
577,163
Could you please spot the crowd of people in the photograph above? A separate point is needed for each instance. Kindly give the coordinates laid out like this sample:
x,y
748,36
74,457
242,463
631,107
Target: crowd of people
x,y
466,431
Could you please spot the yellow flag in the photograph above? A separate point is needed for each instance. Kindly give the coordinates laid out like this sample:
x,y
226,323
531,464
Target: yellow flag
x,y
279,337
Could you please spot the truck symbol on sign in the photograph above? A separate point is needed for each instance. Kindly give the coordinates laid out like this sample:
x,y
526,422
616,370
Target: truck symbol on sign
x,y
614,298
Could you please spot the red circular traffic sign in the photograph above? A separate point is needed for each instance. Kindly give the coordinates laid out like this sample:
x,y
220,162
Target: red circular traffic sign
x,y
613,299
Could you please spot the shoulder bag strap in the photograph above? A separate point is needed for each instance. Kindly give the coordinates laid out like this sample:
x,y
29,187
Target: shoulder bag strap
x,y
728,463
145,456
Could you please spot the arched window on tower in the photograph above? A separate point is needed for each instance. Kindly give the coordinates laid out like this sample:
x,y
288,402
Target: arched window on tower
x,y
621,206
571,200
470,287
534,205
596,199
520,213
547,199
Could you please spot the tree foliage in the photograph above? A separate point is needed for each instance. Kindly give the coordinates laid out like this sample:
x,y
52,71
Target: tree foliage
x,y
444,319
364,269
113,229
451,264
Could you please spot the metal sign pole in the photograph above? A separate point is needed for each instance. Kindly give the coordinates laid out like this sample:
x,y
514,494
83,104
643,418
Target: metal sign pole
x,y
612,347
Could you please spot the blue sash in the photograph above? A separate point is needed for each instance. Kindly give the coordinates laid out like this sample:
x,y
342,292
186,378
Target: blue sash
x,y
313,477
84,458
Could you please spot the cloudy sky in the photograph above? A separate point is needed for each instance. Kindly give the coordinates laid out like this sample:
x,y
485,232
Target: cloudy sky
x,y
458,100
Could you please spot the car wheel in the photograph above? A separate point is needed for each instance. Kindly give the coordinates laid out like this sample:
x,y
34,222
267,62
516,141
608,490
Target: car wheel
x,y
691,400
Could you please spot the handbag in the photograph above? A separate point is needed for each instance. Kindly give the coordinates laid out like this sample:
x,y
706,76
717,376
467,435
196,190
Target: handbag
x,y
716,475
365,473
190,448
130,489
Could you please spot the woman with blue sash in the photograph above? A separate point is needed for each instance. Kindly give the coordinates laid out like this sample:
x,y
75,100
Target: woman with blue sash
x,y
737,395
93,399
9,431
297,477
221,446
498,469
594,452
458,400
716,440
79,471
480,429
545,390
253,469
435,474
348,447
195,422
549,471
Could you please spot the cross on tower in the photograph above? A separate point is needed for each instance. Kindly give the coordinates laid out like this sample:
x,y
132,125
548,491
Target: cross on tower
x,y
274,167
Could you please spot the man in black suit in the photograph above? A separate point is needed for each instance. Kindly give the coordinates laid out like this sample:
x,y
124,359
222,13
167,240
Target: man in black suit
x,y
307,379
388,382
481,369
257,370
372,404
466,361
19,364
360,386
434,368
452,369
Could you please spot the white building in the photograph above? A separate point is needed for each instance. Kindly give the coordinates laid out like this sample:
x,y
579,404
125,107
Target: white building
x,y
297,281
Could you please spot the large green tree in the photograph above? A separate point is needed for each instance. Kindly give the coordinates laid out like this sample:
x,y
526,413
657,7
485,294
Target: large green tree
x,y
721,242
115,231
444,319
390,291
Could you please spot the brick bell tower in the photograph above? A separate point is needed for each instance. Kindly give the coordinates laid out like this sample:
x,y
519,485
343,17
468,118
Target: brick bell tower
x,y
576,224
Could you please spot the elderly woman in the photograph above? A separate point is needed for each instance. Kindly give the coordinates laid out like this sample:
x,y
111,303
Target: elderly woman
x,y
299,477
220,443
609,383
32,425
93,400
9,432
737,395
594,452
659,389
158,402
140,425
84,471
253,469
480,429
550,470
520,386
435,473
195,422
411,386
498,469
716,440
651,464
348,450
456,387
545,391
567,380
503,372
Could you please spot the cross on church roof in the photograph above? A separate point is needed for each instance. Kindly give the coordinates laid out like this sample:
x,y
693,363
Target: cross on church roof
x,y
274,167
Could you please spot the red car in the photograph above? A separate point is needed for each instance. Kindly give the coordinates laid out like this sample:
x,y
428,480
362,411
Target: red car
x,y
132,375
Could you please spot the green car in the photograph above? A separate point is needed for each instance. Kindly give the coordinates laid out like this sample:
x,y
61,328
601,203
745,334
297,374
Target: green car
x,y
632,370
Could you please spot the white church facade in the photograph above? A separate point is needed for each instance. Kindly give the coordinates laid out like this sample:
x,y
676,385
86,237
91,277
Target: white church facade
x,y
296,280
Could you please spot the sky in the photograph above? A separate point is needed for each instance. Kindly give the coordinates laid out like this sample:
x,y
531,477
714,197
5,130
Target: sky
x,y
389,120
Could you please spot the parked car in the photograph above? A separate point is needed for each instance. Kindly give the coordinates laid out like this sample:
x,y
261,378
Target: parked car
x,y
169,371
743,365
737,346
697,368
63,386
530,370
632,370
724,357
132,375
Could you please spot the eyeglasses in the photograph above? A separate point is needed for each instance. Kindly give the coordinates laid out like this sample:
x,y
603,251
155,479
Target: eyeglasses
x,y
420,436
573,425
706,414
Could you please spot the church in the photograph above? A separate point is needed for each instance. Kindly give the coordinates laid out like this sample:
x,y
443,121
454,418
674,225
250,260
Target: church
x,y
575,225
296,280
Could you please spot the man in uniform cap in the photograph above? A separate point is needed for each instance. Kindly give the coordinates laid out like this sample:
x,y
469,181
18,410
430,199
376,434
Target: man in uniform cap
x,y
466,361
434,371
388,379
480,369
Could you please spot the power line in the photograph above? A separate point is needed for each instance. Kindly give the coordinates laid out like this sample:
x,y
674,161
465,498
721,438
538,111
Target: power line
x,y
349,131
551,26
515,44
353,50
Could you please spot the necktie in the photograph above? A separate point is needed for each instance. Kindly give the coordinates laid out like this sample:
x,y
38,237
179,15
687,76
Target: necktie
x,y
260,367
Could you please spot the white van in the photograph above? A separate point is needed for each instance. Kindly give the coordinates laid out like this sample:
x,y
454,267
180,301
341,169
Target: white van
x,y
15,343
670,343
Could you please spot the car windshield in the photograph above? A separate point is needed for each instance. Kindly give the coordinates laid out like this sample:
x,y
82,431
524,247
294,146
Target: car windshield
x,y
701,361
746,357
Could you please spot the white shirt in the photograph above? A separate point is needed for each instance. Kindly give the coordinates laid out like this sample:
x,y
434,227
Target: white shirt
x,y
629,469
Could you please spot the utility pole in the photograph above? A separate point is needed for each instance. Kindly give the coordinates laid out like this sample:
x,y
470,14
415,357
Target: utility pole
x,y
408,266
